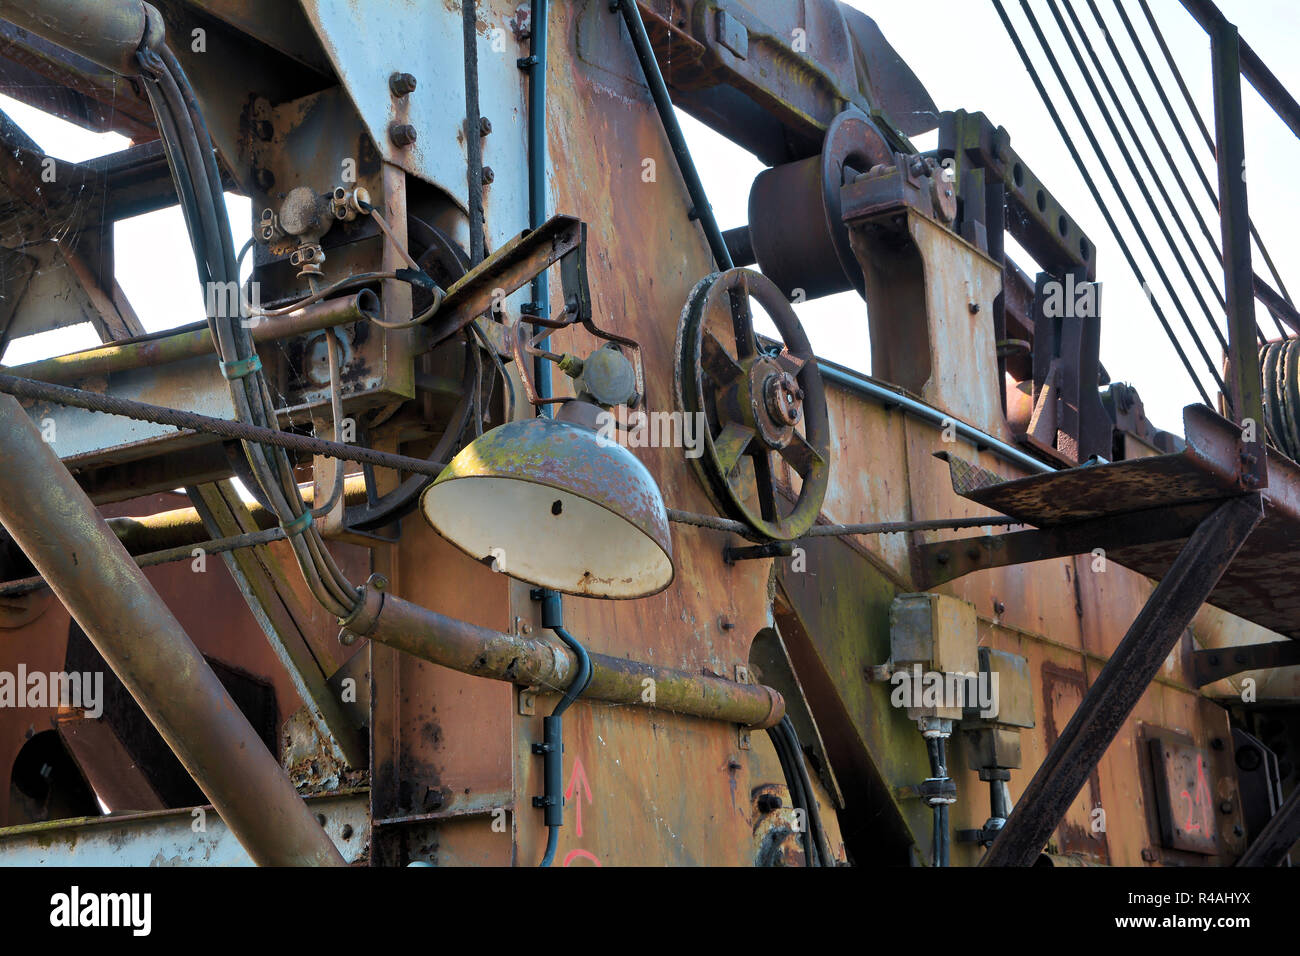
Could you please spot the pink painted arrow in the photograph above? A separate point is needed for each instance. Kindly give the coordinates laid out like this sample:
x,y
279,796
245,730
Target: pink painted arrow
x,y
573,788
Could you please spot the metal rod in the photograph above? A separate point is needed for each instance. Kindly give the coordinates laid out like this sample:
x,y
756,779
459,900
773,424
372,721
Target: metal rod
x,y
531,662
67,541
1268,86
715,523
856,382
1247,391
181,552
701,209
191,421
1123,681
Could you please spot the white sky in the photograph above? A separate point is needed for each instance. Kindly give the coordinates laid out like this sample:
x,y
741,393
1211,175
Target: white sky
x,y
965,59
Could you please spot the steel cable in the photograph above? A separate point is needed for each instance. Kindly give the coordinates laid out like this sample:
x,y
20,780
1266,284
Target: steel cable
x,y
1104,209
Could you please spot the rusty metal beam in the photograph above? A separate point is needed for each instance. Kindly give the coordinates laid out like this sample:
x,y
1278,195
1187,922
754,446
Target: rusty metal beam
x,y
194,342
263,579
941,561
57,527
1124,680
1215,663
1244,383
508,269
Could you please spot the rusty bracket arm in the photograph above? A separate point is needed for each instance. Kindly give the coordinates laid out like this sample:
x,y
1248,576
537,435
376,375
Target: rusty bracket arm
x,y
508,269
1215,663
1124,679
941,561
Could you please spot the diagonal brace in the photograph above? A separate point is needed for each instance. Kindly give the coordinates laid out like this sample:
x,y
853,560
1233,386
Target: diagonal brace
x,y
1124,680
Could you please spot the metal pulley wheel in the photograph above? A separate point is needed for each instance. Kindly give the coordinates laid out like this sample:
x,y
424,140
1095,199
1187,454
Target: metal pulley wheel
x,y
796,227
763,409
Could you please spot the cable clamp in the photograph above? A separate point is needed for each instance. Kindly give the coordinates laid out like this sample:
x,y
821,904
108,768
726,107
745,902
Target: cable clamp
x,y
298,525
241,368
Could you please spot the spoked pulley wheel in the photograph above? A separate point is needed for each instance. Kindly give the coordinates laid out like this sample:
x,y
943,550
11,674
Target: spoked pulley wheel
x,y
766,449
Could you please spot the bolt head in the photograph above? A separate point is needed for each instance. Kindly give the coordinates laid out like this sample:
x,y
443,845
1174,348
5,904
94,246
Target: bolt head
x,y
401,84
488,175
484,126
402,135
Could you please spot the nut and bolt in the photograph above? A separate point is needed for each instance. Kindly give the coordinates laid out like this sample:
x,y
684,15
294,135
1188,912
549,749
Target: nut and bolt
x,y
402,84
488,175
484,126
401,135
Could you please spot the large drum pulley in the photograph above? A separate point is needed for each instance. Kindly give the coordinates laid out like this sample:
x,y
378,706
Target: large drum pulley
x,y
766,438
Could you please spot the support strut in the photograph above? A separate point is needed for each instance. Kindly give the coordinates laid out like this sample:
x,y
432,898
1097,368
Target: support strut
x,y
1124,680
64,537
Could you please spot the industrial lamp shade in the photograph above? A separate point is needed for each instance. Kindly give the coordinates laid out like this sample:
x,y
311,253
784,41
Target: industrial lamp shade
x,y
558,505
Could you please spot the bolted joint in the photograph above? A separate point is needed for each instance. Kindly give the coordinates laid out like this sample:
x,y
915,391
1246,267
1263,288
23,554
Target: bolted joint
x,y
488,175
401,135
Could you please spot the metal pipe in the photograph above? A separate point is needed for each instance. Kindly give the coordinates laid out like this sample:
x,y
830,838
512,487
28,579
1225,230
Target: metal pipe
x,y
67,541
195,342
106,32
857,383
480,651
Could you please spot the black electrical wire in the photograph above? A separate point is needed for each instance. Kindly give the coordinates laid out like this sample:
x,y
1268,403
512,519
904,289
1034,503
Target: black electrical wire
x,y
1103,208
939,771
1205,132
552,748
785,740
1128,161
192,161
701,209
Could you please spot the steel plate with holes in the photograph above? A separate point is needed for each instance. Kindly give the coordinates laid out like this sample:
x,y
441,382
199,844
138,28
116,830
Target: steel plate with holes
x,y
1185,802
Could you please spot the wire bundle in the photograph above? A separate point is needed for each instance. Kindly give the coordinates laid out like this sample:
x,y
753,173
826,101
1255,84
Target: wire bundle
x,y
198,184
816,850
1189,254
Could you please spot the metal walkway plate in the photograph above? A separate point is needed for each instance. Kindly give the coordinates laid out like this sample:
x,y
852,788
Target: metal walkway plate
x,y
1262,585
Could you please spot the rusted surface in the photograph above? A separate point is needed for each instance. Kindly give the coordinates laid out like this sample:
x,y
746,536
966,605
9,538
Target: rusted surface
x,y
1258,586
111,599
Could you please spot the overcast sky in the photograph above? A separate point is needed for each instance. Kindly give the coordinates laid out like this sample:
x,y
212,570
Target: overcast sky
x,y
962,54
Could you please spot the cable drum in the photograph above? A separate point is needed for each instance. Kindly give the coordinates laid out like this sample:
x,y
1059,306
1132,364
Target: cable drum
x,y
1279,364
